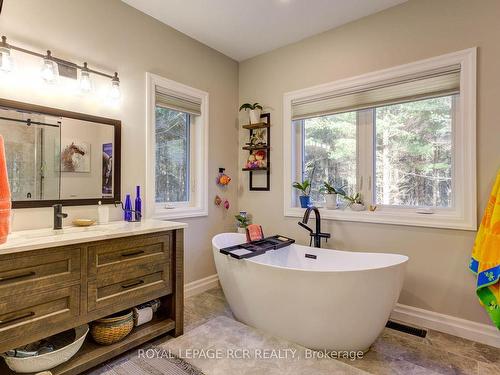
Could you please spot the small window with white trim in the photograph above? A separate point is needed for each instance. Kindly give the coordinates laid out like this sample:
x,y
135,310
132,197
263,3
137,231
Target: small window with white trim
x,y
403,138
177,149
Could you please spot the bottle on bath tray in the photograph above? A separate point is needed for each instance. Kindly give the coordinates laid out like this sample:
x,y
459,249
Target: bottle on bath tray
x,y
102,213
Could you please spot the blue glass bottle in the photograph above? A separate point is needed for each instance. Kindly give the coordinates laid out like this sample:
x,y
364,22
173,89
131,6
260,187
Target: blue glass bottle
x,y
127,215
138,204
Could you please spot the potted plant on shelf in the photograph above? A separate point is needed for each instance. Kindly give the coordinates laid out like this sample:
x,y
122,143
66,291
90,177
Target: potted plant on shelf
x,y
254,111
305,190
331,190
355,202
242,222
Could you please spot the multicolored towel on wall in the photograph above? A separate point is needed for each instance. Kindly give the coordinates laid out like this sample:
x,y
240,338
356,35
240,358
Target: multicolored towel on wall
x,y
485,261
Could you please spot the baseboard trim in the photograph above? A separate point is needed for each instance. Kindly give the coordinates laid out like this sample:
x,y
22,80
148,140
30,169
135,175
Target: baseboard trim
x,y
201,285
466,329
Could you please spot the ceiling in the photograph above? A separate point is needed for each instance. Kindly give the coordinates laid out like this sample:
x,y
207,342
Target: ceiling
x,y
242,29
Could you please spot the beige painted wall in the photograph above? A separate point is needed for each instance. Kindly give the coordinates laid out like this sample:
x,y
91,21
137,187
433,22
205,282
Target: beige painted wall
x,y
437,277
115,37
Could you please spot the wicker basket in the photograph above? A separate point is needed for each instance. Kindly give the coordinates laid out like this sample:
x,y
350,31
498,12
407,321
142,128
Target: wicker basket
x,y
107,331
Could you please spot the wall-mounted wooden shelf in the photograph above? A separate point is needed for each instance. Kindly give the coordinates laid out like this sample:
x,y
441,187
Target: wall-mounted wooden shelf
x,y
259,125
266,124
253,148
254,169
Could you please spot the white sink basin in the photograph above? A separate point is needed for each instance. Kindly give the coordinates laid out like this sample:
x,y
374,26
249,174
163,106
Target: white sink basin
x,y
43,233
45,238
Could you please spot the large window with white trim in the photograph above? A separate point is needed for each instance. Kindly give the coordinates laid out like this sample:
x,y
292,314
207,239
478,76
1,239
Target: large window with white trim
x,y
177,149
403,138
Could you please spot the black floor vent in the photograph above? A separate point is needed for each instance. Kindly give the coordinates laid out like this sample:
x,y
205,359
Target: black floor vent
x,y
406,329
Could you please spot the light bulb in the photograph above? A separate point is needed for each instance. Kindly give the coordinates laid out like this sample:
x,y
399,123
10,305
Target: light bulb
x,y
85,82
6,62
50,70
114,91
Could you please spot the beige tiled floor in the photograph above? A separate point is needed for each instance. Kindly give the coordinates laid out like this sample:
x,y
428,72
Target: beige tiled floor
x,y
393,352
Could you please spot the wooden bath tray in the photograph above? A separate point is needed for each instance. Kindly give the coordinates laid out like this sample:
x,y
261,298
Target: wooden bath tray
x,y
254,248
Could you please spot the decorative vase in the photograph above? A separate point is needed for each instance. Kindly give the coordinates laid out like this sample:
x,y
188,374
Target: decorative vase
x,y
358,207
331,201
138,204
127,213
255,115
242,230
305,201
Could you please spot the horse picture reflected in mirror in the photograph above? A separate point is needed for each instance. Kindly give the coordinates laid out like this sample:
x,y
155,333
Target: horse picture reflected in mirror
x,y
75,156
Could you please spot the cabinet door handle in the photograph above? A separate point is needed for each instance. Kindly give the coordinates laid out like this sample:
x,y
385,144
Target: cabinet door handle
x,y
132,253
19,276
15,318
133,283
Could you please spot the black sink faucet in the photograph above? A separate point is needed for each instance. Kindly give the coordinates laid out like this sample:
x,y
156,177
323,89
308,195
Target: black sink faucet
x,y
318,235
58,216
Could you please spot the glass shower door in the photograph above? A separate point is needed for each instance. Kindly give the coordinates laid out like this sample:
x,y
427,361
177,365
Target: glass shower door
x,y
32,144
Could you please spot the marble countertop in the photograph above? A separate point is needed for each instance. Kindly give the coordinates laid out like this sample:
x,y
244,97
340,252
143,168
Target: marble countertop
x,y
44,238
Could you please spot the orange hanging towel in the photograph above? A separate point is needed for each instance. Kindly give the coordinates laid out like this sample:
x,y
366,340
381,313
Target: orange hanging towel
x,y
5,203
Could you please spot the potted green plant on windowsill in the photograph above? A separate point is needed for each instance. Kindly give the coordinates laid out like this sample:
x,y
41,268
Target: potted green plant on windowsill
x,y
242,222
305,190
331,191
254,111
355,202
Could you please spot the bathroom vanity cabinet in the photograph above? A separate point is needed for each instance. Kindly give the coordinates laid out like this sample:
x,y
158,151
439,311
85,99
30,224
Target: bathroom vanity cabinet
x,y
44,291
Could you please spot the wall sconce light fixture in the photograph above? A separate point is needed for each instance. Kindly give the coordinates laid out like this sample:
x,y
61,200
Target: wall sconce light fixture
x,y
53,67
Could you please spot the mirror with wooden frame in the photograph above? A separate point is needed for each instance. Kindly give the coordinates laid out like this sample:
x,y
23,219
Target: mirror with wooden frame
x,y
55,156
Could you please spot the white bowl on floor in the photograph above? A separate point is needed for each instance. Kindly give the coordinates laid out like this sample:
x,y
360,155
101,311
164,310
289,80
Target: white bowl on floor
x,y
49,360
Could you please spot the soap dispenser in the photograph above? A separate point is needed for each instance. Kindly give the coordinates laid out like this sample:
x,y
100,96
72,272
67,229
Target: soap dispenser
x,y
102,214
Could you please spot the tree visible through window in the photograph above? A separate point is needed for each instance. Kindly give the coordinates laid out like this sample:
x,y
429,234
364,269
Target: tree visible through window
x,y
330,150
172,155
414,153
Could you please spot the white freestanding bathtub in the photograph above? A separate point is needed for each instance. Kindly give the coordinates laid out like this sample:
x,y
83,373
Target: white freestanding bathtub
x,y
339,301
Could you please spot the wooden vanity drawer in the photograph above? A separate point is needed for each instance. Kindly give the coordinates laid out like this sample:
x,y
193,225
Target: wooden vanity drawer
x,y
129,284
27,317
113,255
23,272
